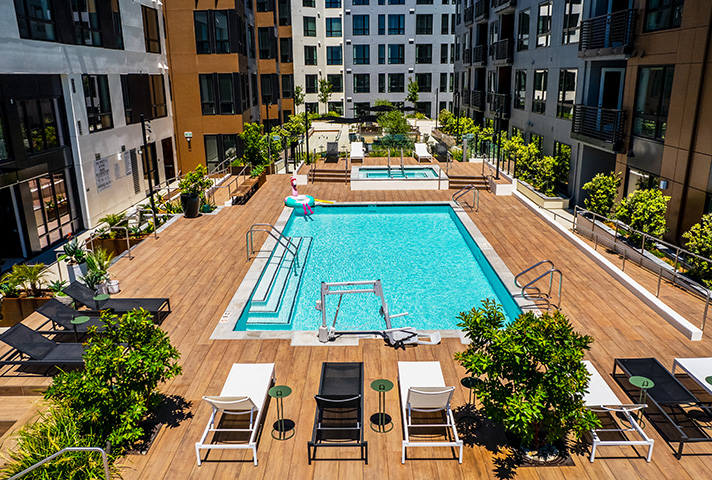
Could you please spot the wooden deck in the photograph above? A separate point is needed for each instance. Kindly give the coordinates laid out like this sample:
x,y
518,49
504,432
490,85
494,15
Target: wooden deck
x,y
199,263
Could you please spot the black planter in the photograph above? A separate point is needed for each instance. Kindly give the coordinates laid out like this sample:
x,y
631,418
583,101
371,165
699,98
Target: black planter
x,y
191,204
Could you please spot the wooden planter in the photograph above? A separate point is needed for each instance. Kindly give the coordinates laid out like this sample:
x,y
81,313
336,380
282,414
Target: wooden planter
x,y
542,200
262,179
15,310
115,245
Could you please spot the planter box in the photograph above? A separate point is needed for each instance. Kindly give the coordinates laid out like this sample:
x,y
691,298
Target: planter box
x,y
115,245
15,310
262,179
542,200
237,170
75,272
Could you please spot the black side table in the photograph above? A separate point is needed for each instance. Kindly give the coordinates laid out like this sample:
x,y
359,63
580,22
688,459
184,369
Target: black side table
x,y
381,420
283,427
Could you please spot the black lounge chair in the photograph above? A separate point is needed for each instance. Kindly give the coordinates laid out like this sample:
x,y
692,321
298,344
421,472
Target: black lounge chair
x,y
339,409
669,396
61,316
40,350
80,293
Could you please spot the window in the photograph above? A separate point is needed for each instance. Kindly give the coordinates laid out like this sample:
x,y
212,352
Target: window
x,y
396,54
312,107
362,83
360,2
425,108
540,85
116,20
381,24
443,53
267,42
143,94
86,23
662,14
423,24
35,20
523,32
452,53
652,102
396,2
362,108
396,24
424,53
265,5
333,55
311,82
337,83
309,55
381,83
98,102
40,124
285,115
538,140
202,37
227,94
425,81
452,77
381,54
308,3
562,153
333,3
423,2
362,54
337,107
287,86
221,93
572,21
285,50
222,32
207,94
222,148
520,88
567,93
251,40
310,26
333,27
151,32
396,83
212,31
360,25
444,24
443,82
285,12
270,88
543,25
255,94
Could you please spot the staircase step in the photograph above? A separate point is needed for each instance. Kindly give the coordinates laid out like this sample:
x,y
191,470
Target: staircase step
x,y
269,274
270,301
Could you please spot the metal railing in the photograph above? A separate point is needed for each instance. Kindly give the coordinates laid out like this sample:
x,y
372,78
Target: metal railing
x,y
550,272
282,239
479,54
234,180
478,100
612,31
469,14
604,124
481,10
499,101
500,5
467,56
503,51
464,191
104,459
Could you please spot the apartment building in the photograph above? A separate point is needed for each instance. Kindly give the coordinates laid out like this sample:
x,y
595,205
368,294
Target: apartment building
x,y
75,80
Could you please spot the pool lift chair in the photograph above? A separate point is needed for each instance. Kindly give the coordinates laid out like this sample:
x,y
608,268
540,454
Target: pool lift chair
x,y
395,337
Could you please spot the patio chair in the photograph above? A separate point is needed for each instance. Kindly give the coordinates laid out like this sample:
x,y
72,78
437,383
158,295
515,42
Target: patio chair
x,y
40,350
62,315
400,337
671,398
423,391
338,421
332,152
422,153
244,393
601,399
357,152
80,293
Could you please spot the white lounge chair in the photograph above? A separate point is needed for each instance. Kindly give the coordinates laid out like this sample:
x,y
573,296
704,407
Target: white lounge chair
x,y
357,152
423,389
244,393
697,368
421,152
600,398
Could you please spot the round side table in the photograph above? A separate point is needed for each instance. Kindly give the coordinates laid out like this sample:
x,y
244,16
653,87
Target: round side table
x,y
102,297
381,420
283,427
78,321
643,383
470,383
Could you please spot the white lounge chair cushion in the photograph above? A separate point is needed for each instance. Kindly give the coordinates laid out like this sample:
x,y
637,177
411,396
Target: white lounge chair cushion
x,y
598,392
249,380
357,150
418,374
421,150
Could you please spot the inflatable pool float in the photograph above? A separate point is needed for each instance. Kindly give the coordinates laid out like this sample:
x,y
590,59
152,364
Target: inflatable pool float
x,y
299,201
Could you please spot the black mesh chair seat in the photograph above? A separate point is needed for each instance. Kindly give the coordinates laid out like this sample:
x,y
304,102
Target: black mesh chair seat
x,y
40,350
667,390
62,315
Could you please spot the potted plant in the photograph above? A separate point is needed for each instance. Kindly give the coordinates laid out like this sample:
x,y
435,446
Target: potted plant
x,y
75,258
192,188
97,274
23,291
56,288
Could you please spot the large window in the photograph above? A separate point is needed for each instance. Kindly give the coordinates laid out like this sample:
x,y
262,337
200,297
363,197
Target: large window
x,y
424,53
424,81
86,22
652,102
360,25
336,107
40,124
207,94
287,85
269,84
362,83
212,31
396,24
98,102
51,204
311,82
523,31
143,94
572,21
362,54
381,24
332,3
444,24
359,2
567,93
541,80
520,89
35,19
396,83
333,27
265,5
381,83
662,14
309,55
285,50
396,2
221,148
267,42
543,25
227,94
381,54
396,54
151,30
334,55
310,26
337,82
308,3
423,24
443,82
443,53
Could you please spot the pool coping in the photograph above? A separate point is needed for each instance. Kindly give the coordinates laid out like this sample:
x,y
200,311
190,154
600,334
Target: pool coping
x,y
440,182
225,329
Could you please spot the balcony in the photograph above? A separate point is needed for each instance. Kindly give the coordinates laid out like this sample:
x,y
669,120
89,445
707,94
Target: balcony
x,y
502,52
466,97
478,100
503,7
500,102
467,56
610,34
600,127
481,11
469,11
479,55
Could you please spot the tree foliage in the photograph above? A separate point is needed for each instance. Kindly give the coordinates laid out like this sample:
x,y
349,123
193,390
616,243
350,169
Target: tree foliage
x,y
256,150
602,192
413,90
298,96
533,378
325,91
394,123
699,242
644,210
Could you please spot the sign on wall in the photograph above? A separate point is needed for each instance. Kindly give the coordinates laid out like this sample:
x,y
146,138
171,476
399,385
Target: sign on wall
x,y
102,174
127,163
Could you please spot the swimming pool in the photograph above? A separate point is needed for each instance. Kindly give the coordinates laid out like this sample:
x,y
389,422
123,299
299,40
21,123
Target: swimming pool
x,y
427,261
397,172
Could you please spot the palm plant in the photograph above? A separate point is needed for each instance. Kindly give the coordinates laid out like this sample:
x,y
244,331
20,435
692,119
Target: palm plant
x,y
73,252
30,277
99,261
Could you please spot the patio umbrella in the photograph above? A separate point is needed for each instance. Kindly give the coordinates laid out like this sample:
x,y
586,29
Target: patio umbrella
x,y
409,109
382,108
341,120
368,118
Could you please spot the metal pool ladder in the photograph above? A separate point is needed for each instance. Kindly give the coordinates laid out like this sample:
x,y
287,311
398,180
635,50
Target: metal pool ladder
x,y
536,293
275,233
463,191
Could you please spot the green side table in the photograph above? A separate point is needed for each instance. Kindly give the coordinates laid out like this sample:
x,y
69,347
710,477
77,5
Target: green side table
x,y
78,321
283,427
381,420
100,298
643,383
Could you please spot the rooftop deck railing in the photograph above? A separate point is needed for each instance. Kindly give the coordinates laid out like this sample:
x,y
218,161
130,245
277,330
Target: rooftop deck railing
x,y
600,124
467,56
612,33
502,6
500,102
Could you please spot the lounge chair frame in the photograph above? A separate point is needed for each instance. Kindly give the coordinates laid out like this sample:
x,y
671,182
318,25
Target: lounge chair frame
x,y
83,295
19,335
427,155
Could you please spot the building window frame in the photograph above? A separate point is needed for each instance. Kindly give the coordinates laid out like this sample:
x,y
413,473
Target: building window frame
x,y
362,54
360,25
573,11
520,89
543,25
334,27
662,16
541,83
334,55
151,29
98,102
567,93
309,26
653,92
524,19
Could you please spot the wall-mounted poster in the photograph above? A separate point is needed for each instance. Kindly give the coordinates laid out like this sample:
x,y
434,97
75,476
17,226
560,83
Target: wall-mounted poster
x,y
127,163
102,174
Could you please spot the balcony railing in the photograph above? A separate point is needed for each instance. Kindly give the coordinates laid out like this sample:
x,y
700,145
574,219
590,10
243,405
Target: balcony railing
x,y
481,11
478,100
608,34
500,102
504,6
466,97
602,127
479,55
467,56
469,11
503,51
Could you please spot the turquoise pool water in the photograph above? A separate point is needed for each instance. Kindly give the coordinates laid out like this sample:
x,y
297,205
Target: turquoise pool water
x,y
397,172
427,262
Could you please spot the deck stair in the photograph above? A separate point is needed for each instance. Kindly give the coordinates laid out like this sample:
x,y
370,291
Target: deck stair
x,y
459,181
275,295
329,175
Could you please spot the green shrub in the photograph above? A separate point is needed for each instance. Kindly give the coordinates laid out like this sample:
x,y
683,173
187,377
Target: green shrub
x,y
699,242
31,278
195,182
602,191
544,177
644,210
257,171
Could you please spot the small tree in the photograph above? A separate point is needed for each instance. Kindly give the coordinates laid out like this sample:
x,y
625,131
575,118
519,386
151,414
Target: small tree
x,y
544,177
699,242
413,90
444,118
602,192
298,97
394,122
533,379
644,210
325,90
